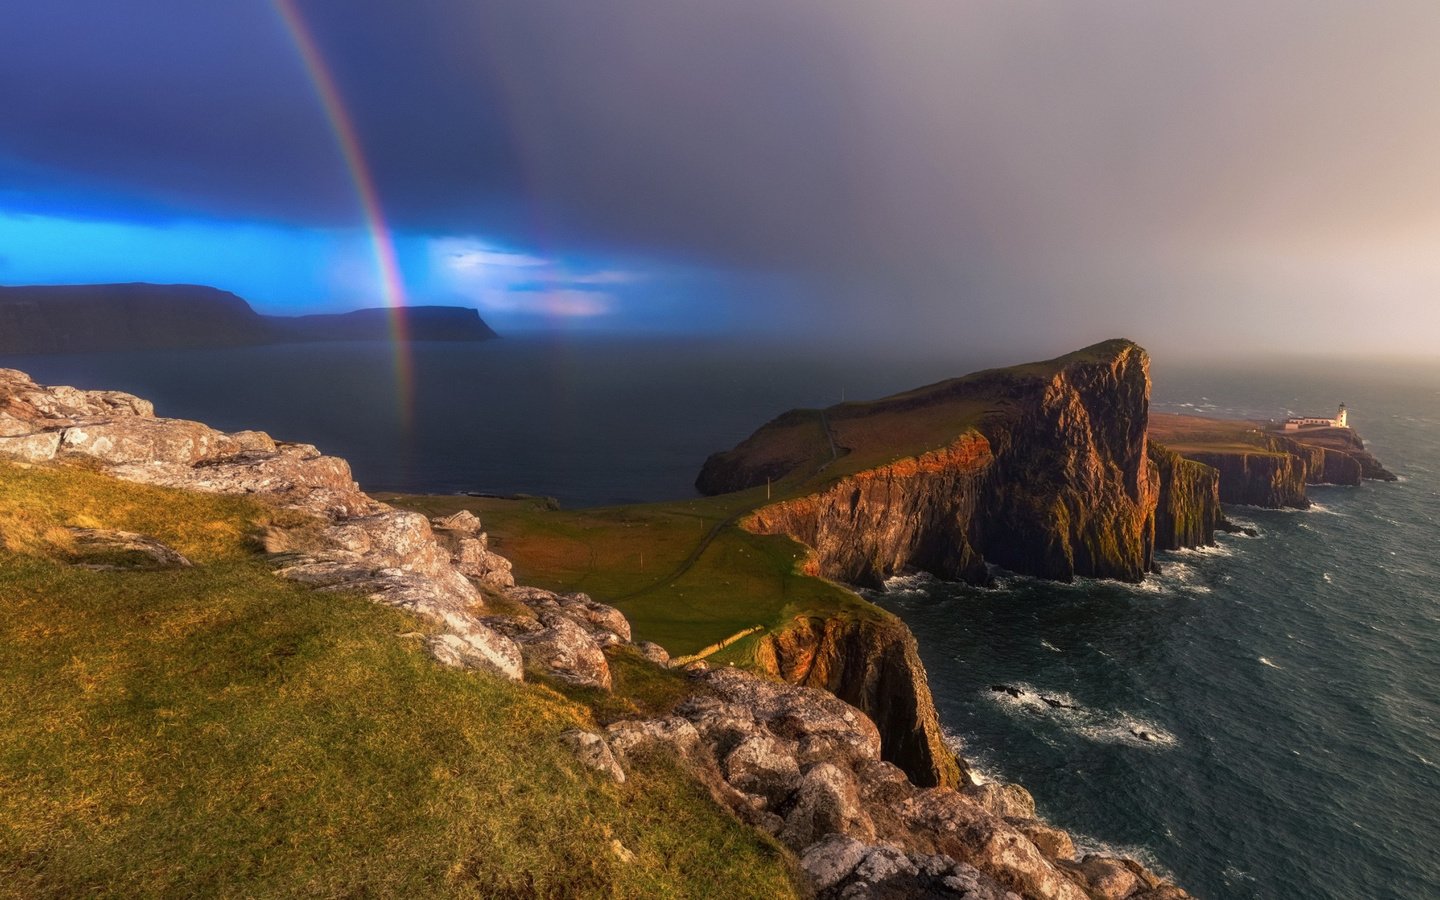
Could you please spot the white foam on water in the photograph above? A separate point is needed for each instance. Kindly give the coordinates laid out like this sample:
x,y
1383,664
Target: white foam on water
x,y
1326,576
1211,550
1063,710
1049,646
1266,662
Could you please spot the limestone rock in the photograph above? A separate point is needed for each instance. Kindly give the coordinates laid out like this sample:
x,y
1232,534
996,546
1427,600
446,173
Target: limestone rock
x,y
561,648
39,447
102,548
1051,841
1004,800
764,765
831,860
826,802
675,736
477,648
654,652
593,752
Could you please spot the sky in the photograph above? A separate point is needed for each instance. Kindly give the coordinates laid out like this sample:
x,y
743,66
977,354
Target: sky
x,y
1218,176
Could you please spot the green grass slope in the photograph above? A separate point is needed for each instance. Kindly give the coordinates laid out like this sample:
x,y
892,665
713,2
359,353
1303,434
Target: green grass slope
x,y
684,573
216,731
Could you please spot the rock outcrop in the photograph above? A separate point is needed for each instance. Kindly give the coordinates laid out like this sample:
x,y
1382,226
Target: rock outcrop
x,y
1050,476
1270,478
916,513
806,767
1188,512
795,760
874,665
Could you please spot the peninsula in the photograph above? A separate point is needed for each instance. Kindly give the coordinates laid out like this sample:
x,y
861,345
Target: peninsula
x,y
91,317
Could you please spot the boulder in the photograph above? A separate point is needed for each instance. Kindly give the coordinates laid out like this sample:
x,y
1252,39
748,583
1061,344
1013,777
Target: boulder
x,y
1004,800
654,652
1106,878
38,447
477,648
764,765
565,651
593,752
673,736
831,860
1051,841
827,801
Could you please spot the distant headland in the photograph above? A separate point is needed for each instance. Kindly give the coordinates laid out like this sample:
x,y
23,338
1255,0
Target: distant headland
x,y
139,316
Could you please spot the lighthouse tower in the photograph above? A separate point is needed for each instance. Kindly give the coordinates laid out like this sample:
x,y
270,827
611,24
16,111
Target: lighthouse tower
x,y
1342,419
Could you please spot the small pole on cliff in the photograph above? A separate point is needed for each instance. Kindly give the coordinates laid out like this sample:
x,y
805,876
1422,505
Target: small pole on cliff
x,y
767,488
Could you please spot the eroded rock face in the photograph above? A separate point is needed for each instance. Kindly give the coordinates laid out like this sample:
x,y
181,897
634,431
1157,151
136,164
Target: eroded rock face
x,y
874,666
914,514
556,644
1188,512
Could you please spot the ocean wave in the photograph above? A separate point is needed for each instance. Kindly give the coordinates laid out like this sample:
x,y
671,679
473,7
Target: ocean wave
x,y
1211,550
1062,709
1266,662
1049,646
1086,845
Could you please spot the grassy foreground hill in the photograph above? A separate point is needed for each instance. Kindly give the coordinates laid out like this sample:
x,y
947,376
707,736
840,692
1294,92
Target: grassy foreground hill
x,y
214,730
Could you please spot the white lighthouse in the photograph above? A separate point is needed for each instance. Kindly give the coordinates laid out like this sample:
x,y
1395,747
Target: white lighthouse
x,y
1342,418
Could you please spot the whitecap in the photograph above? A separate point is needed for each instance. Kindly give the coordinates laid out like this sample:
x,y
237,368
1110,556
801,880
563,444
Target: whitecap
x,y
1326,576
1060,708
1266,662
1049,646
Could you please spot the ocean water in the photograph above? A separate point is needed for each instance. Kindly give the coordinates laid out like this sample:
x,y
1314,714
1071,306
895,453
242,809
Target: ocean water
x,y
1261,720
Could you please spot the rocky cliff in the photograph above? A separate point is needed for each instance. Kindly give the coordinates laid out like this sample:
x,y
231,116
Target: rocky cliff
x,y
1271,478
1040,469
1188,512
794,760
874,666
917,513
84,318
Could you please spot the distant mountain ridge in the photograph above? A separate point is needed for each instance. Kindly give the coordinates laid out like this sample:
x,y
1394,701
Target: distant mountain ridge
x,y
139,316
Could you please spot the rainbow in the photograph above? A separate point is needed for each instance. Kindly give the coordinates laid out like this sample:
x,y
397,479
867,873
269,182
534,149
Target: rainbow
x,y
387,264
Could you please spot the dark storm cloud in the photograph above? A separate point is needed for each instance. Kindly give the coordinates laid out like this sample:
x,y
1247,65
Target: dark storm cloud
x,y
1092,167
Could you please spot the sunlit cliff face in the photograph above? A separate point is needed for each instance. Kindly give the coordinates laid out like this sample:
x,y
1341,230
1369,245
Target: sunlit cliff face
x,y
1224,174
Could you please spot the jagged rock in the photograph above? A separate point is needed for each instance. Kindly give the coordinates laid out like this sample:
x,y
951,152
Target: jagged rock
x,y
1106,878
827,801
831,860
1010,801
477,648
654,653
721,724
38,447
564,650
825,727
469,549
875,666
593,752
960,828
473,557
843,868
764,765
101,548
1051,841
673,735
464,522
606,624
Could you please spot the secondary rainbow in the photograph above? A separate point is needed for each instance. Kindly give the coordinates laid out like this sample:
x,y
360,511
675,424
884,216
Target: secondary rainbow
x,y
392,286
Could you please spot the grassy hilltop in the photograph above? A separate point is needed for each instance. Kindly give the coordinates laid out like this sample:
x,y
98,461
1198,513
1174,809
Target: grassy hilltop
x,y
216,730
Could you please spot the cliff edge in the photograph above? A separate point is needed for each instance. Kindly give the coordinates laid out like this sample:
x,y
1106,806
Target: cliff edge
x,y
1042,469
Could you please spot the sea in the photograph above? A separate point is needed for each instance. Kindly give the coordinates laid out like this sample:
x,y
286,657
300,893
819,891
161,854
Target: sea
x,y
1261,719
